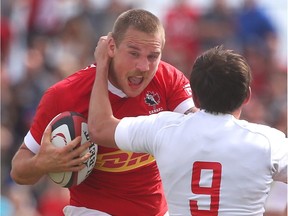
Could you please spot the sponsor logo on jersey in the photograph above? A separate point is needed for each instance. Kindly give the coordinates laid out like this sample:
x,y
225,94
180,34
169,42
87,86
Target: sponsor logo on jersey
x,y
121,161
153,99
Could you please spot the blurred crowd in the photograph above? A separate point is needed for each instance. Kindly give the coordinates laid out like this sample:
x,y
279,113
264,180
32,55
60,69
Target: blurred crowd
x,y
44,41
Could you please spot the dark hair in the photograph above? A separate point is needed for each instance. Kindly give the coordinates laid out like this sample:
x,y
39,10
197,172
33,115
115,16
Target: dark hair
x,y
220,79
139,19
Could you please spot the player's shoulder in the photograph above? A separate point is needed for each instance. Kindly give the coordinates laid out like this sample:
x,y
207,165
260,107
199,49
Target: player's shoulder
x,y
81,75
167,73
76,79
166,68
171,118
261,129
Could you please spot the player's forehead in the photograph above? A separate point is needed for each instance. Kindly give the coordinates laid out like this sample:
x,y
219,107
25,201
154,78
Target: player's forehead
x,y
136,39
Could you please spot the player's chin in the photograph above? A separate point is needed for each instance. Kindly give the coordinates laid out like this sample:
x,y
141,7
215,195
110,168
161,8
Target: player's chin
x,y
134,90
133,93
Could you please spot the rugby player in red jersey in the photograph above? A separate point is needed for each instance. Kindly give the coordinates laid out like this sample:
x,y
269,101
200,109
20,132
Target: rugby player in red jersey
x,y
122,183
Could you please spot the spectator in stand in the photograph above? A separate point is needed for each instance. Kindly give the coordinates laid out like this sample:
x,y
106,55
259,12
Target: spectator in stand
x,y
255,28
5,37
182,39
277,99
217,26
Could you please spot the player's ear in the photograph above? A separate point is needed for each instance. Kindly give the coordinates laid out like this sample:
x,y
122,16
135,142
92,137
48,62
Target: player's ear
x,y
111,45
248,96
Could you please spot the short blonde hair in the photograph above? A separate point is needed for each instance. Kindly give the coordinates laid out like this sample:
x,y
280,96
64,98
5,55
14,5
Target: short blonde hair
x,y
138,19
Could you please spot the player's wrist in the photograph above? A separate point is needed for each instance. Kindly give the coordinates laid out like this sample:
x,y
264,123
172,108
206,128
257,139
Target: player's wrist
x,y
39,168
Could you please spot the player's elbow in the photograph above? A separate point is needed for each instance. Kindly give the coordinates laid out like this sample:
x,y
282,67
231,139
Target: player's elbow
x,y
17,178
22,173
102,133
95,132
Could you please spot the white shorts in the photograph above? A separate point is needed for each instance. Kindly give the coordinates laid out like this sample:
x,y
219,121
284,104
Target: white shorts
x,y
82,211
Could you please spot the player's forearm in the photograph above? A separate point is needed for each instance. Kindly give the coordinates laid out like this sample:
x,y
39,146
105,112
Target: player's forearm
x,y
100,111
101,122
99,107
24,168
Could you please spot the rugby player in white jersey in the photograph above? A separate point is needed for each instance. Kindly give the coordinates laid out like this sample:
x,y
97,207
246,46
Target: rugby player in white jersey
x,y
211,162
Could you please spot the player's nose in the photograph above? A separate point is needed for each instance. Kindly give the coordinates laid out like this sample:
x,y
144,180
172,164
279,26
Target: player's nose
x,y
142,64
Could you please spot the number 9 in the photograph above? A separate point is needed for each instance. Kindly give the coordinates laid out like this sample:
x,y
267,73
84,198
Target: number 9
x,y
213,191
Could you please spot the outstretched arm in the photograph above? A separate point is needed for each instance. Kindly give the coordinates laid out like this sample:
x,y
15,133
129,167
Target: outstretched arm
x,y
101,122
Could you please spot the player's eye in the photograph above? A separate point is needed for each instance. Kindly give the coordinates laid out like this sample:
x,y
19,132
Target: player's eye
x,y
134,54
152,57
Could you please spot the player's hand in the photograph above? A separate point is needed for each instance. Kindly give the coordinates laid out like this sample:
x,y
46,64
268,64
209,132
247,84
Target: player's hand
x,y
59,159
101,53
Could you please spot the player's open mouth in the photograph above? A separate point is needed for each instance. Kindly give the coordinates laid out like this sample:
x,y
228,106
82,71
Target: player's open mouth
x,y
135,80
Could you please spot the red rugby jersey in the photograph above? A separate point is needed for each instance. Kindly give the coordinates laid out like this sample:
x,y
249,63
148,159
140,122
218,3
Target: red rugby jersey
x,y
122,183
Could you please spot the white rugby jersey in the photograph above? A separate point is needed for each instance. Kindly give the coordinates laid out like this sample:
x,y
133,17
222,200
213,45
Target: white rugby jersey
x,y
209,164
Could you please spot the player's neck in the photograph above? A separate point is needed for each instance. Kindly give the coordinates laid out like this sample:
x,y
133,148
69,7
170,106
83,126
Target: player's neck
x,y
237,113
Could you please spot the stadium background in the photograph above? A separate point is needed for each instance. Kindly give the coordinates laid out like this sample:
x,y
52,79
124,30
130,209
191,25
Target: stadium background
x,y
43,41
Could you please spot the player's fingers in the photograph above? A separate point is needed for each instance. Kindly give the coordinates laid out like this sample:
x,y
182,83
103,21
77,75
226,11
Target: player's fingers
x,y
109,35
101,40
79,163
104,38
83,147
79,150
77,168
46,138
85,157
73,144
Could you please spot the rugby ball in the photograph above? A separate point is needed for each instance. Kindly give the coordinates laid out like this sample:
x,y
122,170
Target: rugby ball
x,y
66,126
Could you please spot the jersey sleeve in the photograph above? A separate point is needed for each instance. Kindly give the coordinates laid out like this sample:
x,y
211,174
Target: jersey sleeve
x,y
140,134
279,158
179,94
133,134
70,94
46,110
